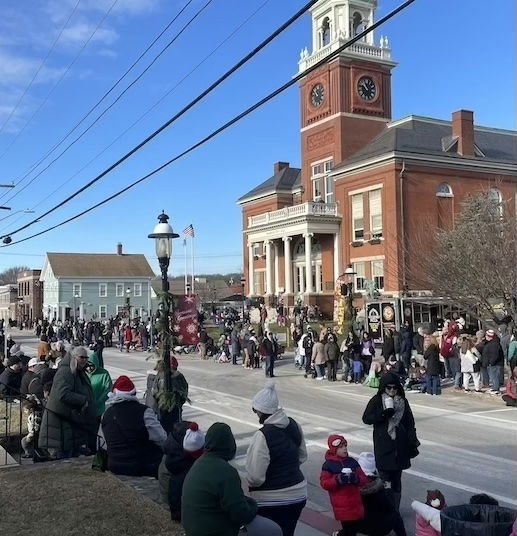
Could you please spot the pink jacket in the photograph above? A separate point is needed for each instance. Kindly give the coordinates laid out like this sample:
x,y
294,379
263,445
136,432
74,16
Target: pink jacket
x,y
427,520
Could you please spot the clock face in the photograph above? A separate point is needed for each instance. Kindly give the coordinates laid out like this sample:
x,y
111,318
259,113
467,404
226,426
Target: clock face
x,y
317,95
366,88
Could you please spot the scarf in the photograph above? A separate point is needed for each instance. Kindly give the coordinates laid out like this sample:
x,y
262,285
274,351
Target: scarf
x,y
399,407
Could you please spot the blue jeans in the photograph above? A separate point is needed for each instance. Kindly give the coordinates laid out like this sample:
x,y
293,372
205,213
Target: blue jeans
x,y
494,372
433,385
455,368
320,370
270,364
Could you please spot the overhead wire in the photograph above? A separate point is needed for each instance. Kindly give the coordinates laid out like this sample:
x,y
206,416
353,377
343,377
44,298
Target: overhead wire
x,y
159,101
227,125
106,110
60,79
175,117
38,70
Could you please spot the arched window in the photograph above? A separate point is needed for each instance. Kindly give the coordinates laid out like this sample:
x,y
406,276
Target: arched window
x,y
444,190
497,199
299,250
357,23
325,32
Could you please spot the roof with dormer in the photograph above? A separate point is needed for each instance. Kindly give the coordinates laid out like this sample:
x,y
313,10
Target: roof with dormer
x,y
416,135
285,181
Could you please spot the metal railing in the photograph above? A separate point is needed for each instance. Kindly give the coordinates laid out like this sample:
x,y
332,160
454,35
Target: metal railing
x,y
11,431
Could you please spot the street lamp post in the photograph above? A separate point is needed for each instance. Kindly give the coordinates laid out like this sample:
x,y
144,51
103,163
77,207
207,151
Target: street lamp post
x,y
243,284
128,305
163,235
349,277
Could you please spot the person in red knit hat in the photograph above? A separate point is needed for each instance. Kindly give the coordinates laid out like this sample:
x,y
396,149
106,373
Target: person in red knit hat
x,y
133,434
183,447
342,477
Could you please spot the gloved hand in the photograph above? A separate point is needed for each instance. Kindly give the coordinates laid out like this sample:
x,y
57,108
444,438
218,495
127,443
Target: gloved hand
x,y
389,412
350,478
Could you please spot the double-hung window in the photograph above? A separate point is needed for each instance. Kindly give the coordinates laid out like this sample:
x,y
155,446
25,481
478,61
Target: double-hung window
x,y
375,199
103,312
137,289
357,217
76,290
322,183
103,290
360,276
120,290
378,274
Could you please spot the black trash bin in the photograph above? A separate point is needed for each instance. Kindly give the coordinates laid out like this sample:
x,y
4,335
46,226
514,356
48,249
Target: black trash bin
x,y
477,520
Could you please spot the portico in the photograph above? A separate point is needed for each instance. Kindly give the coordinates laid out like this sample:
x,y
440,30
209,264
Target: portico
x,y
294,250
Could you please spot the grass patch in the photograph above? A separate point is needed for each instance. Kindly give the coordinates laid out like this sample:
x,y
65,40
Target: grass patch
x,y
69,498
10,419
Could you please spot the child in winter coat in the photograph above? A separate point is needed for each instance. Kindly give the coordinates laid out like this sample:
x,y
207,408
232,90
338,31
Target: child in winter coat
x,y
428,514
358,369
342,477
182,448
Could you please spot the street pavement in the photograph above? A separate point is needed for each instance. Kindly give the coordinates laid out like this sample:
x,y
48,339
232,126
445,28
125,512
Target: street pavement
x,y
469,443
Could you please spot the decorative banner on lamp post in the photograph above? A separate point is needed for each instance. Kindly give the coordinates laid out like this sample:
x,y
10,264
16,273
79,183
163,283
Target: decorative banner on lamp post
x,y
185,320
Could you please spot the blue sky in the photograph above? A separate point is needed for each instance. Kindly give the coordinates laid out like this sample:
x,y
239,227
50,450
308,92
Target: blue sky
x,y
450,57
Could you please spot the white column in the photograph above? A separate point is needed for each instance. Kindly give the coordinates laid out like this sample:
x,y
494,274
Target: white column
x,y
308,267
269,278
337,257
277,268
318,277
302,279
288,269
251,278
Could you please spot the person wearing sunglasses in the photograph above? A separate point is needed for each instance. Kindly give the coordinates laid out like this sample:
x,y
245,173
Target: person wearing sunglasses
x,y
394,434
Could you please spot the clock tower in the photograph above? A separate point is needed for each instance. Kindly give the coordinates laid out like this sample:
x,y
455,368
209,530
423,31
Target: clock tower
x,y
346,102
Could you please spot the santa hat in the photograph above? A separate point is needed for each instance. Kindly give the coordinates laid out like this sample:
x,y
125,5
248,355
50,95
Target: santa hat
x,y
489,334
266,400
124,386
335,441
435,499
367,462
194,439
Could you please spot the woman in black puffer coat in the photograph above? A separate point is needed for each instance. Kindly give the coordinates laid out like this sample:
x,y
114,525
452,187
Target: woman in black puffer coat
x,y
394,434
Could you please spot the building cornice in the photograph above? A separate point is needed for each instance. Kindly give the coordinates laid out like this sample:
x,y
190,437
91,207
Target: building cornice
x,y
425,159
384,120
244,200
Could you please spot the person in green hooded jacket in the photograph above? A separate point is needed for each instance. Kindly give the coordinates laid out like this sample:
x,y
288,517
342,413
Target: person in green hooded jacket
x,y
100,380
213,503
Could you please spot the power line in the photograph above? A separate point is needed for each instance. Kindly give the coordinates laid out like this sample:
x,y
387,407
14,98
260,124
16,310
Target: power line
x,y
159,101
65,72
228,124
29,85
165,125
42,159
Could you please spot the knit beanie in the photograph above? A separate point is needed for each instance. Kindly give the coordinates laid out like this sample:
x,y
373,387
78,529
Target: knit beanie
x,y
435,499
335,441
489,334
266,400
194,439
124,386
13,360
367,462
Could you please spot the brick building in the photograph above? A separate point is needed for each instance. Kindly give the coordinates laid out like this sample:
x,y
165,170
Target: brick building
x,y
30,296
365,181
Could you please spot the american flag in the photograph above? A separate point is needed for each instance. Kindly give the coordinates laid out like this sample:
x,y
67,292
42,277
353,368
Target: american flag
x,y
189,231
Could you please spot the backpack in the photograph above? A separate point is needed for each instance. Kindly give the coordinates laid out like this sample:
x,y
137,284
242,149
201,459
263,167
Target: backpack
x,y
447,349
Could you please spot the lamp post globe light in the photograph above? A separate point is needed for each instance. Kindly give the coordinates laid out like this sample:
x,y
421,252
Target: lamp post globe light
x,y
163,236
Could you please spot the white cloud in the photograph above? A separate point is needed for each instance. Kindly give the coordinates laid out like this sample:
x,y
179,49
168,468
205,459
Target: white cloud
x,y
18,70
107,53
78,34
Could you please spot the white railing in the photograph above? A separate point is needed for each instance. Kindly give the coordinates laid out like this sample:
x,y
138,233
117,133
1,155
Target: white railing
x,y
310,208
359,49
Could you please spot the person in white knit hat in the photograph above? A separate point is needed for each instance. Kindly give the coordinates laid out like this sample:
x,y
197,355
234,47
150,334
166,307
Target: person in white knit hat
x,y
273,462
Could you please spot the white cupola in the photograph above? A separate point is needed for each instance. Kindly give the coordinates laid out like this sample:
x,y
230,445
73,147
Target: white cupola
x,y
336,21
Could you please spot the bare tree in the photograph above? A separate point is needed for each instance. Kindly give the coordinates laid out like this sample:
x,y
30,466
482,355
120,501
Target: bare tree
x,y
9,276
473,264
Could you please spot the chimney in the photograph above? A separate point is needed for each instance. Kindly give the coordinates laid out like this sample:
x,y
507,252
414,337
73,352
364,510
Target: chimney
x,y
279,166
119,248
463,129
